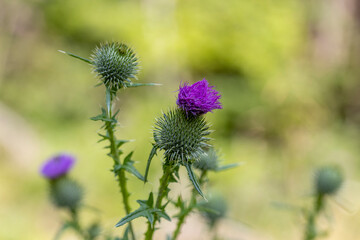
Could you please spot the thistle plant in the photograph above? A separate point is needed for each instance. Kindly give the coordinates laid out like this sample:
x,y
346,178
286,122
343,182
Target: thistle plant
x,y
66,193
116,65
327,182
182,134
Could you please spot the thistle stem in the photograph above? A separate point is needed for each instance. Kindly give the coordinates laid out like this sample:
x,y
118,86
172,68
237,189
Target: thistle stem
x,y
76,224
189,208
164,183
114,153
311,231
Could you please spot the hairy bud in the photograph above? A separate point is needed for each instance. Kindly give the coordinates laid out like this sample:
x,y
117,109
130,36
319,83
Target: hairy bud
x,y
182,136
116,64
208,161
328,180
66,193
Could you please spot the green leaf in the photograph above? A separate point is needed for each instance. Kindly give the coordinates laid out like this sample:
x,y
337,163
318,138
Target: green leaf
x,y
141,84
78,57
103,118
146,210
103,137
193,179
128,165
226,167
119,143
151,156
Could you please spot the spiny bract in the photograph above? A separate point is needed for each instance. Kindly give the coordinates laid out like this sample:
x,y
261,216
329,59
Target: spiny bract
x,y
66,193
183,137
116,64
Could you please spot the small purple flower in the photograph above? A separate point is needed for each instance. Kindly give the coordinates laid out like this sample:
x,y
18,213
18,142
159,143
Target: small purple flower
x,y
57,166
198,98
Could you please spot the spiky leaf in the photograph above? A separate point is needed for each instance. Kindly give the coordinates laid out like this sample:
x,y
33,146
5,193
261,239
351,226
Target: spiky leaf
x,y
128,165
146,210
192,178
151,156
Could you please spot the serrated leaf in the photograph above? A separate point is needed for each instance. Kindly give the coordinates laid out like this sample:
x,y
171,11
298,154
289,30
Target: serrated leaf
x,y
146,210
141,212
77,57
128,165
103,137
193,179
119,143
151,156
162,214
104,118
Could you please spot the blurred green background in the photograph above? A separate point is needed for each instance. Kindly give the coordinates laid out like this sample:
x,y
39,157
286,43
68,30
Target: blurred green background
x,y
288,72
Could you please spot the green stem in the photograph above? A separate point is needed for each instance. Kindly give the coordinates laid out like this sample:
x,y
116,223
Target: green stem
x,y
114,152
189,208
164,183
311,231
76,224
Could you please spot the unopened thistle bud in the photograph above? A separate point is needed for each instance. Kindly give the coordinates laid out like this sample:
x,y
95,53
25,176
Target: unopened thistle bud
x,y
208,161
116,64
214,209
66,193
183,137
328,180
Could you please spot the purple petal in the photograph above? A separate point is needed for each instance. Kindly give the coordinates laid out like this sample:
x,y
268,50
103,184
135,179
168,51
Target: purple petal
x,y
57,166
199,98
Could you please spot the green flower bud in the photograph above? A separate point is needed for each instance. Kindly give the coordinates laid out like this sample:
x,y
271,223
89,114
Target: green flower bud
x,y
209,160
214,209
182,136
116,64
328,180
66,193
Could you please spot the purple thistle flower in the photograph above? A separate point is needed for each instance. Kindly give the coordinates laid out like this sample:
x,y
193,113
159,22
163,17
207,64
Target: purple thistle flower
x,y
57,166
198,98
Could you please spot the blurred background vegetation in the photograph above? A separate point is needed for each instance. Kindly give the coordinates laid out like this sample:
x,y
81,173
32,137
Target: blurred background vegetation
x,y
288,71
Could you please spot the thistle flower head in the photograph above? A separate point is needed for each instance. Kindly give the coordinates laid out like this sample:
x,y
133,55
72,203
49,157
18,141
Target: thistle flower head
x,y
208,160
66,193
116,64
199,98
328,180
57,166
182,137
